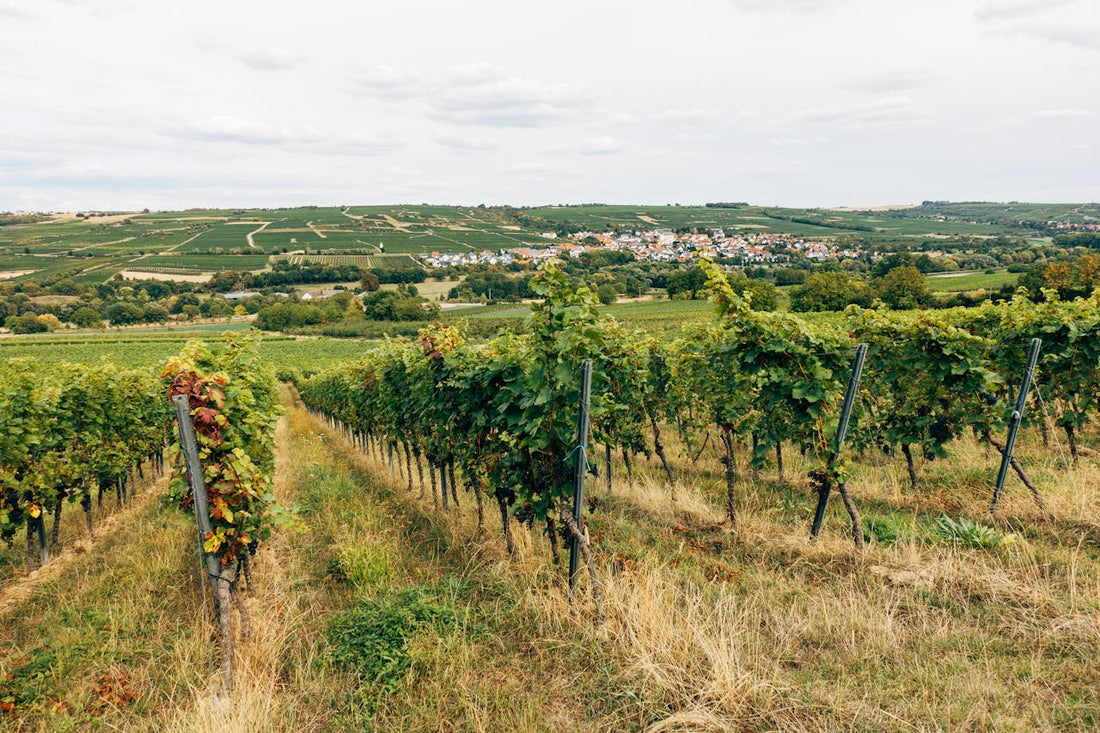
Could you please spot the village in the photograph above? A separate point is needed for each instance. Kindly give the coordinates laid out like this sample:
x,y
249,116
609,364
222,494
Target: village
x,y
660,245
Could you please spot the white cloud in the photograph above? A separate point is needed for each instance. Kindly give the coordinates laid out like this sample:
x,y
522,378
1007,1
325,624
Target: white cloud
x,y
797,141
268,58
889,82
224,128
423,185
695,115
605,145
465,144
1086,38
698,137
532,168
1067,113
1007,10
300,138
1069,22
891,110
473,75
788,6
361,144
278,108
480,94
510,102
13,11
387,82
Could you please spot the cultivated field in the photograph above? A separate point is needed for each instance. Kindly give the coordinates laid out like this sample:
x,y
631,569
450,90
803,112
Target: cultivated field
x,y
969,281
95,248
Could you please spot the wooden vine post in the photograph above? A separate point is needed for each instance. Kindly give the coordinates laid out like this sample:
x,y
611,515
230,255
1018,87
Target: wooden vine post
x,y
1007,450
826,485
579,547
581,470
219,585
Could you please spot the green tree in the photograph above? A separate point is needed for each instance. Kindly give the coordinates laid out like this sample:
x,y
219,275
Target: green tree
x,y
414,309
369,282
26,323
121,314
86,317
688,283
155,313
829,291
762,293
606,293
216,308
903,288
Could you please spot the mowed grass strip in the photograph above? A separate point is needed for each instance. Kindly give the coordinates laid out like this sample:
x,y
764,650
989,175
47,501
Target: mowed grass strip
x,y
440,633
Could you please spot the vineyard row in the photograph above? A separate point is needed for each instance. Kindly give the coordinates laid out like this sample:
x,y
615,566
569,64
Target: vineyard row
x,y
504,412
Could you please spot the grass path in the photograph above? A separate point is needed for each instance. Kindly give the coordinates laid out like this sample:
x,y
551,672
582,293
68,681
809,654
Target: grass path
x,y
248,237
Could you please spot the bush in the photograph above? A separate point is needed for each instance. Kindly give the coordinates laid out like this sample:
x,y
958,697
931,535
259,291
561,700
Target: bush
x,y
86,317
26,323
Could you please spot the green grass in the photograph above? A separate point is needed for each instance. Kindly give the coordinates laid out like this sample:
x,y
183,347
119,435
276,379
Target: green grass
x,y
151,348
202,263
972,281
669,317
225,236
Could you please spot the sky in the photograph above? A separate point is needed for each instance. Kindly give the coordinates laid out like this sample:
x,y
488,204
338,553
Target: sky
x,y
125,105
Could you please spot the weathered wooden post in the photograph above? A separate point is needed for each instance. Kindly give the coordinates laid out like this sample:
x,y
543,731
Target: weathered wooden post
x,y
43,548
838,443
219,586
607,464
581,470
1014,423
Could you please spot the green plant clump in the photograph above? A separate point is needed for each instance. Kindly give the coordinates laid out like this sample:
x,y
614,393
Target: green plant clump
x,y
372,640
968,532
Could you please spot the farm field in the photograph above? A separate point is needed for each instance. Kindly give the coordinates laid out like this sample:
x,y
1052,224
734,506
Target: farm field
x,y
199,263
964,282
363,261
431,289
816,222
115,241
667,317
1015,211
138,349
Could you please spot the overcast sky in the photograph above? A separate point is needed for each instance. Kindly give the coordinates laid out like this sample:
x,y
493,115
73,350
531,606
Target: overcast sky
x,y
120,104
